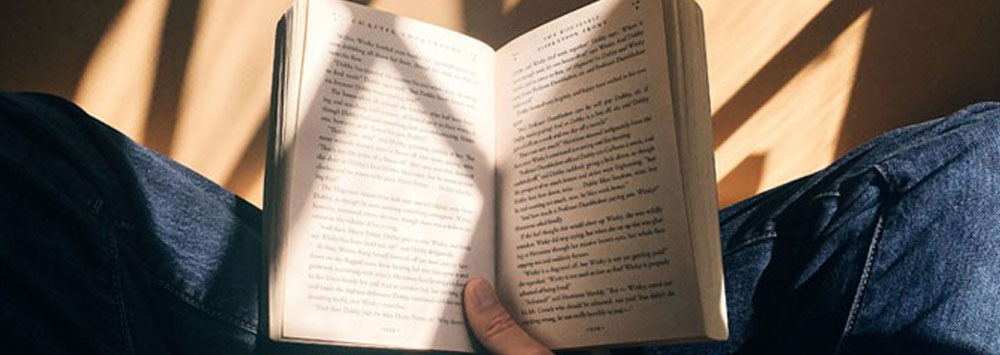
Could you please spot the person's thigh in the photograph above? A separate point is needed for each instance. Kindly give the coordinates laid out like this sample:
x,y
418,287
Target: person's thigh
x,y
108,247
894,247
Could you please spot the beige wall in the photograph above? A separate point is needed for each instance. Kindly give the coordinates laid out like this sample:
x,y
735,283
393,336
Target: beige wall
x,y
794,83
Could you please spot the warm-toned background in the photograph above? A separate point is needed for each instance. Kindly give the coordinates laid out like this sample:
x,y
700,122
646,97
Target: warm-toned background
x,y
794,83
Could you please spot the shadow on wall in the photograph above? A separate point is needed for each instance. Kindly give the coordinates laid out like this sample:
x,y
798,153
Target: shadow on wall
x,y
922,60
918,61
748,173
176,40
46,44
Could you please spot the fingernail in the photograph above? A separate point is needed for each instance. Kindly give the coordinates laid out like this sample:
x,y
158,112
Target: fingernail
x,y
483,294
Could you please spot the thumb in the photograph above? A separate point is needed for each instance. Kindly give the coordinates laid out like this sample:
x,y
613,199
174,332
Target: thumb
x,y
492,325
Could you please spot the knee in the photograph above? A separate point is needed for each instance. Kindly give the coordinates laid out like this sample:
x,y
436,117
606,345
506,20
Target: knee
x,y
959,153
938,242
976,126
952,176
985,109
973,146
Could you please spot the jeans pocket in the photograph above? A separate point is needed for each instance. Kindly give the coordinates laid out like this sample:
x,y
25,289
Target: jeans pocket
x,y
820,258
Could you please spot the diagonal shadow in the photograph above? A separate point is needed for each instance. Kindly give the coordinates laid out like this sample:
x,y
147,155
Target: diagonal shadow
x,y
250,165
808,44
743,181
483,20
45,44
921,60
479,224
175,49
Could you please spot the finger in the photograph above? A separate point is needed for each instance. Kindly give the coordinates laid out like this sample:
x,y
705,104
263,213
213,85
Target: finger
x,y
492,325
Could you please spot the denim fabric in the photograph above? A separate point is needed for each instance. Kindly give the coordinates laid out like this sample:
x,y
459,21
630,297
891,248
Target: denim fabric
x,y
895,248
108,247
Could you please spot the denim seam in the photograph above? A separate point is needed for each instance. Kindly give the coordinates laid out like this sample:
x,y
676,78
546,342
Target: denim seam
x,y
745,244
95,205
882,173
125,223
940,129
207,308
834,194
862,283
116,282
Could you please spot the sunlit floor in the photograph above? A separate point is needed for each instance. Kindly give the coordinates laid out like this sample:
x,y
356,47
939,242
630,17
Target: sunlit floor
x,y
794,83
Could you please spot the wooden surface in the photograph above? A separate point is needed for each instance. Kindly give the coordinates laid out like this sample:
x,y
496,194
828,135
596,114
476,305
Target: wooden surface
x,y
794,83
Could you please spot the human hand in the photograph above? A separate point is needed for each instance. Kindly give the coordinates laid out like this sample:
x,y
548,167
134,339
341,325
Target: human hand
x,y
493,326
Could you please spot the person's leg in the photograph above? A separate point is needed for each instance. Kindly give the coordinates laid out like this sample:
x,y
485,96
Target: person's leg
x,y
893,248
108,247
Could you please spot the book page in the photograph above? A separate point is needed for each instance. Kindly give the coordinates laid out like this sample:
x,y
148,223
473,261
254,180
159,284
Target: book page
x,y
594,244
391,203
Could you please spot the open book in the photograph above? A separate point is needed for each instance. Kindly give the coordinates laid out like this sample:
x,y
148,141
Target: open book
x,y
572,168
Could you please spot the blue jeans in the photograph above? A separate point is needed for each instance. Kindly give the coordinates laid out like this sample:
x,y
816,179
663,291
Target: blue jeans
x,y
108,247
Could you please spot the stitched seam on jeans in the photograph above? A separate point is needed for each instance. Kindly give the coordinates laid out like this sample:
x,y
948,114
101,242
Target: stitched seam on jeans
x,y
125,335
882,173
126,224
207,308
746,244
852,315
94,207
